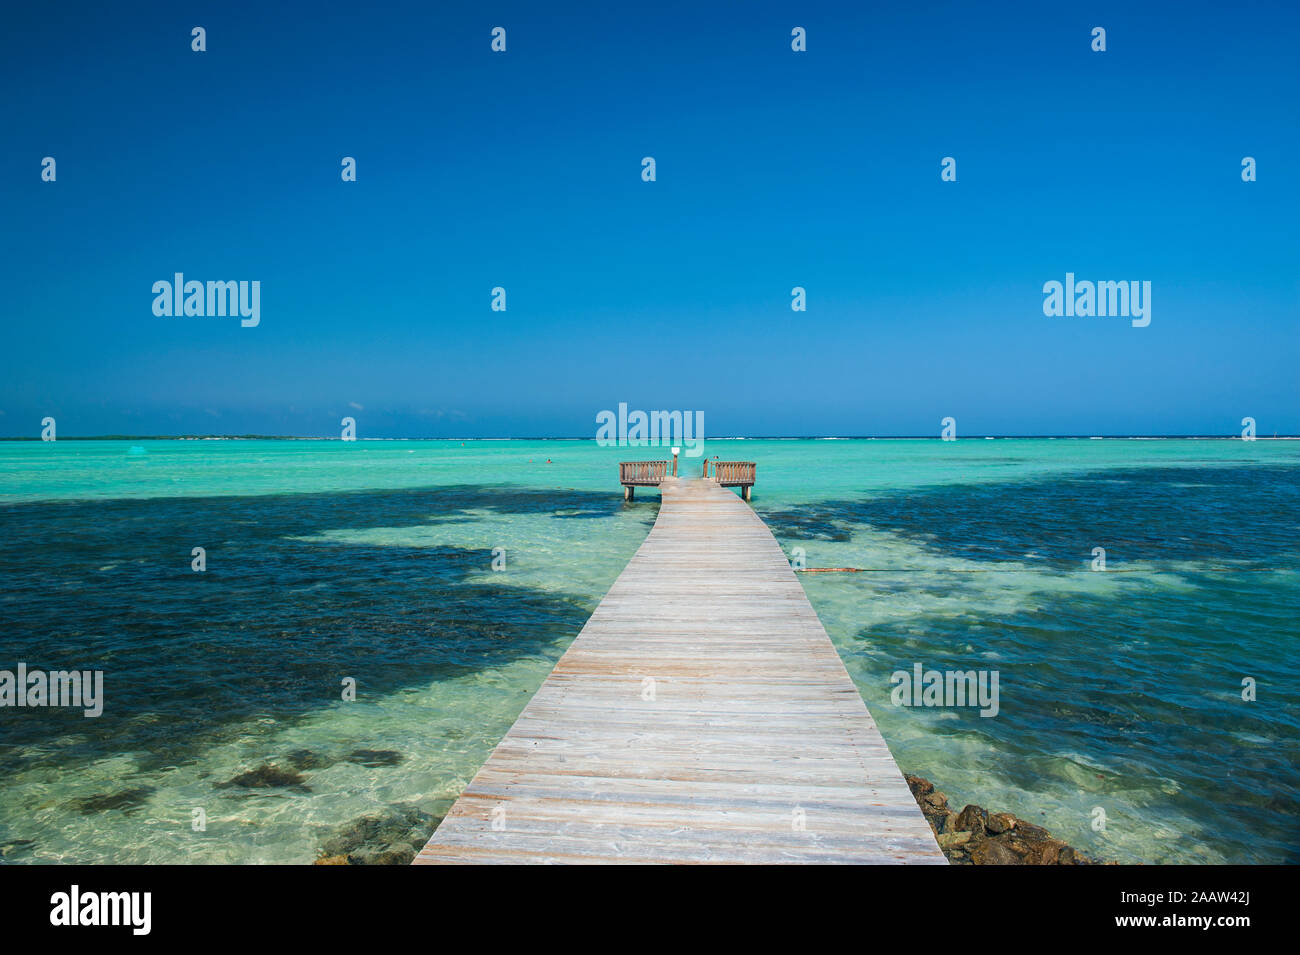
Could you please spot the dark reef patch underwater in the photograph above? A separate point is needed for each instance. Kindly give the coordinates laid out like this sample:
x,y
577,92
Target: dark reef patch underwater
x,y
272,625
1212,515
1123,686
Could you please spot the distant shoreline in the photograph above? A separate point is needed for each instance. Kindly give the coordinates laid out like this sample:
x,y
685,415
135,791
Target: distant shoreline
x,y
765,437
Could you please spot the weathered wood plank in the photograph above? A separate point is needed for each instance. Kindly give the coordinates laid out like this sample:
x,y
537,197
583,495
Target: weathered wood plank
x,y
702,715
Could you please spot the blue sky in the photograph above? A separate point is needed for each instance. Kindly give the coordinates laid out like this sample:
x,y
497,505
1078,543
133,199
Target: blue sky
x,y
775,169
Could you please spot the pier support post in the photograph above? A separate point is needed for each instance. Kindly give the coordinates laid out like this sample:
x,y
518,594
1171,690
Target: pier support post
x,y
746,490
627,492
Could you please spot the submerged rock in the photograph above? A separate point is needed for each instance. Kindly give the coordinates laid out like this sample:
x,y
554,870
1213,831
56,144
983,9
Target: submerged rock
x,y
375,757
1000,822
390,838
15,847
976,836
971,819
266,776
395,853
127,800
308,759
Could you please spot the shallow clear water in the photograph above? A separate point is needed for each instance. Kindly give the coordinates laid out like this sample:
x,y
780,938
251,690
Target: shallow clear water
x,y
373,561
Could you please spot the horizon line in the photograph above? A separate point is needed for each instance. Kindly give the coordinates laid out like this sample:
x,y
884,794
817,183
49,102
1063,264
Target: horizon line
x,y
627,444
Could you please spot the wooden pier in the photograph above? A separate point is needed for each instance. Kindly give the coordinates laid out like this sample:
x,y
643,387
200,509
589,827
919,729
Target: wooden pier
x,y
702,715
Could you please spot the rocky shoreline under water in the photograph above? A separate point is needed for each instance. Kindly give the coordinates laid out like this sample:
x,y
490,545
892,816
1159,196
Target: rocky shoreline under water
x,y
390,838
976,836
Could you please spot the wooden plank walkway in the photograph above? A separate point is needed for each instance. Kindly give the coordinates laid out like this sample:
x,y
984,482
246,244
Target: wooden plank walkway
x,y
750,727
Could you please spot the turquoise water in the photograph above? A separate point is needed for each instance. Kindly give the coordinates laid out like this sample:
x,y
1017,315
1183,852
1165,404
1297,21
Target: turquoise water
x,y
372,561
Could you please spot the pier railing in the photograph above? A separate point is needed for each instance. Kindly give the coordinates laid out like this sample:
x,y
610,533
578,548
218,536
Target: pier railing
x,y
634,474
732,474
642,472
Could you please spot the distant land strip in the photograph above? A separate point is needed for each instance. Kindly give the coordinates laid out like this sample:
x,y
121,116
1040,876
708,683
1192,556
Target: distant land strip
x,y
786,437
